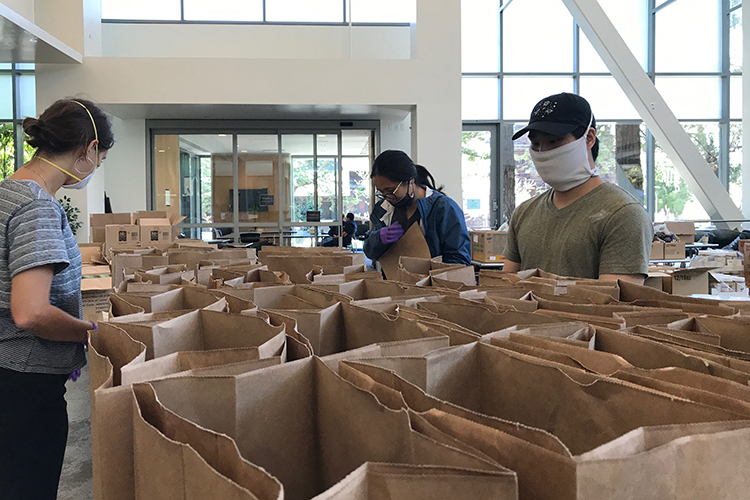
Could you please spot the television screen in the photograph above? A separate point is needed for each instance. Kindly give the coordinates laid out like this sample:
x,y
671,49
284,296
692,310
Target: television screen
x,y
249,200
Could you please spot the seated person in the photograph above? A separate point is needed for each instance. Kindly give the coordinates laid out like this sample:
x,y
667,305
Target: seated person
x,y
348,229
583,226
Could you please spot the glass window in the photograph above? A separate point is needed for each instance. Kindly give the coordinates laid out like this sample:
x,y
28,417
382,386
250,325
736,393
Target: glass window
x,y
223,10
167,10
304,11
735,162
7,150
621,159
735,41
356,177
356,142
27,95
520,94
297,151
528,182
258,177
6,97
480,36
674,199
383,11
735,98
193,178
327,144
479,98
476,164
734,3
606,98
691,97
529,28
630,18
688,36
327,189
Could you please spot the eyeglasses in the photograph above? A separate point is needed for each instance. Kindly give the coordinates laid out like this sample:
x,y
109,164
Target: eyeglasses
x,y
389,195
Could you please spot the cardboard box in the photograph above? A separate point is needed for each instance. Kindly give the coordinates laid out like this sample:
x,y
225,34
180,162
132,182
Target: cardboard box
x,y
685,231
674,250
157,231
156,234
149,214
120,235
98,222
96,286
657,251
488,246
91,253
686,281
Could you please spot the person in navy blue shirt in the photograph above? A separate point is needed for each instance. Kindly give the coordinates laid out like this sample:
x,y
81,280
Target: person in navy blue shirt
x,y
407,195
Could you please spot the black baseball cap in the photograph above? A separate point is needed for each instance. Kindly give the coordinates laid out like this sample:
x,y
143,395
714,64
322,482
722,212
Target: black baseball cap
x,y
559,114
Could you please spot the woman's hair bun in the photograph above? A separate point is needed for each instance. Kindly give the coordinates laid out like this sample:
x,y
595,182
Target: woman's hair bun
x,y
34,129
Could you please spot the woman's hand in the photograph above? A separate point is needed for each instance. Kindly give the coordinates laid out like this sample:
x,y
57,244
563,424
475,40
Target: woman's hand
x,y
391,234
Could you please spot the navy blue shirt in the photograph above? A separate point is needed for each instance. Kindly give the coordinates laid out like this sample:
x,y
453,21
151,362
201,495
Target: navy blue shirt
x,y
442,222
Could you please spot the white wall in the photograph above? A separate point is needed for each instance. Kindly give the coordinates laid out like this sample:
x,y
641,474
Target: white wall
x,y
256,42
124,170
429,82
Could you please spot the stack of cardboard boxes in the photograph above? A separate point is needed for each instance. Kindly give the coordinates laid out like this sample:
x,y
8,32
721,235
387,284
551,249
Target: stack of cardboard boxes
x,y
685,232
125,230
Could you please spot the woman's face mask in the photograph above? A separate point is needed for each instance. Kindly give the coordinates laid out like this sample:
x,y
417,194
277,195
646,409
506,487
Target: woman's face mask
x,y
405,200
565,167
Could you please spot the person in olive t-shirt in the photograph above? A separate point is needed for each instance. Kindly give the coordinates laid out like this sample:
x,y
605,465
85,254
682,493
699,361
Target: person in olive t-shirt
x,y
583,227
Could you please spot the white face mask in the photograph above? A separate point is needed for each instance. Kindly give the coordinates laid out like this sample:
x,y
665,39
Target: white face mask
x,y
82,183
565,167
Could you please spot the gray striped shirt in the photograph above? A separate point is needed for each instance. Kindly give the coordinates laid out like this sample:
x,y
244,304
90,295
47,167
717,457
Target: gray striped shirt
x,y
35,232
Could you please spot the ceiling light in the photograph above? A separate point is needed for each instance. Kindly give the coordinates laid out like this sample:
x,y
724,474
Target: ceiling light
x,y
222,135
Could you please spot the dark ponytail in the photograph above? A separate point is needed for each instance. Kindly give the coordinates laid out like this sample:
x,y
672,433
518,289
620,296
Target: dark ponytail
x,y
425,179
66,126
396,166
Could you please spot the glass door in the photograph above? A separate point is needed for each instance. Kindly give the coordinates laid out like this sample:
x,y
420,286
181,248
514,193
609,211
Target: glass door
x,y
283,187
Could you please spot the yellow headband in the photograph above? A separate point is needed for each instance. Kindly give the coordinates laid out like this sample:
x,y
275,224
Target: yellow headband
x,y
96,134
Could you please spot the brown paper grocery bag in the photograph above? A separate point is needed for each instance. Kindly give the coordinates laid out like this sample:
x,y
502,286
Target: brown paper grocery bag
x,y
140,326
297,266
110,349
307,426
181,362
343,327
375,481
176,459
638,463
411,244
206,330
544,465
642,352
479,319
561,395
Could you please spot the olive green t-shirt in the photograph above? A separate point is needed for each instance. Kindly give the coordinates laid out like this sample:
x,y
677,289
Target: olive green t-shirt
x,y
606,231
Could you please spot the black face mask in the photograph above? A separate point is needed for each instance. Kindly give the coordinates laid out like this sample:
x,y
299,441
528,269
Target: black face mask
x,y
405,200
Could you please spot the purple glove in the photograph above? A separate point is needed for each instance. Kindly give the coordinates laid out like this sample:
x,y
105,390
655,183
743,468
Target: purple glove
x,y
391,234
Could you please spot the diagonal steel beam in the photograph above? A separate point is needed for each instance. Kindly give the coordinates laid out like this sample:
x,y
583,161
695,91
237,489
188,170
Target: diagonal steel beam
x,y
653,110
